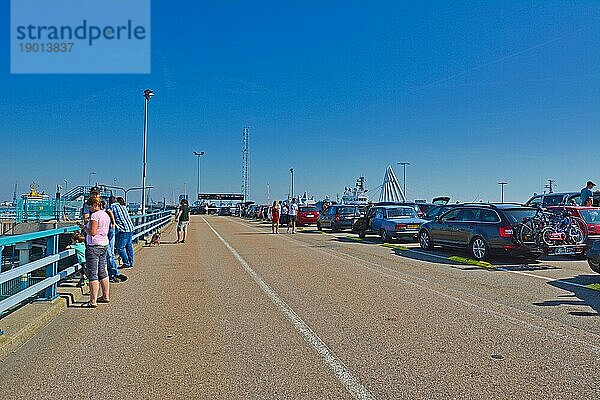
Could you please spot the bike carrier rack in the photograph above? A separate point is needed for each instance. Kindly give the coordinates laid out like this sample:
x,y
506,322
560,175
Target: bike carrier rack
x,y
577,248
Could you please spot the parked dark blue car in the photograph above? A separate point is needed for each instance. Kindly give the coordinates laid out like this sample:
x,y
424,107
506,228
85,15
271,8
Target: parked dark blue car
x,y
593,257
390,222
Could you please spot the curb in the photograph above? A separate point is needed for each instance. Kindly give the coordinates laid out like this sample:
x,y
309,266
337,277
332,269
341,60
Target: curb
x,y
24,323
16,333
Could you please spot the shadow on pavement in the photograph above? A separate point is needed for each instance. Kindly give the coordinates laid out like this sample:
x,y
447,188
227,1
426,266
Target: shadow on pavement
x,y
346,239
432,258
305,230
582,296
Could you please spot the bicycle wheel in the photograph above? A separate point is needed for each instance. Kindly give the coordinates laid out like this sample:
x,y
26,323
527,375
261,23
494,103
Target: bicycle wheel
x,y
526,233
578,231
545,236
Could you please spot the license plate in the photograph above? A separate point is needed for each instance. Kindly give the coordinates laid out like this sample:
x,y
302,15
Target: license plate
x,y
310,215
413,226
564,250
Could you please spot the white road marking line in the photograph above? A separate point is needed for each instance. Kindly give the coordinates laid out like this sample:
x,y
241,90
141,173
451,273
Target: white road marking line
x,y
512,319
333,362
496,267
517,321
544,278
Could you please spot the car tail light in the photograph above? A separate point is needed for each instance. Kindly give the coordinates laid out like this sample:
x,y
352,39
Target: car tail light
x,y
337,217
400,227
506,231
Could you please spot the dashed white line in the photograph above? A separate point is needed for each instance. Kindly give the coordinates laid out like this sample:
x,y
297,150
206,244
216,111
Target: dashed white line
x,y
333,362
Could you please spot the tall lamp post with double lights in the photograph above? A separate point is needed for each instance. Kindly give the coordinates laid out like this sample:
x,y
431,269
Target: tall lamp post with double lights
x,y
148,93
404,164
502,190
198,154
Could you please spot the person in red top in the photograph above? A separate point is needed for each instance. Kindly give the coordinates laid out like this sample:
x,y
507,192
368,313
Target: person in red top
x,y
275,217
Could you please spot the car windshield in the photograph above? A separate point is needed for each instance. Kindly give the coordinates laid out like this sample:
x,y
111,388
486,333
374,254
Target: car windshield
x,y
550,201
401,212
308,209
590,216
346,210
517,215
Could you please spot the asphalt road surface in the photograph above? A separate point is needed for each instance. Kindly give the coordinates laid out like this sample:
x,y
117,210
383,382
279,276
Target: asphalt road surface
x,y
239,313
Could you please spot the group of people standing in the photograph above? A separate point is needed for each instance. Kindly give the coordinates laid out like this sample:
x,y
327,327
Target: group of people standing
x,y
287,214
106,227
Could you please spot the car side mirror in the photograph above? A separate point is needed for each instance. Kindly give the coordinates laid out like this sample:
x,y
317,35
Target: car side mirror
x,y
437,218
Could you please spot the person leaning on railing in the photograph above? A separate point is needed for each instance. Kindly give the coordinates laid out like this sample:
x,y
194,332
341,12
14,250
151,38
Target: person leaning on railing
x,y
95,253
124,232
114,276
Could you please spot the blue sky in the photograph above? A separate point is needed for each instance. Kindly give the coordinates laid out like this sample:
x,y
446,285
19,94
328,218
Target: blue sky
x,y
470,94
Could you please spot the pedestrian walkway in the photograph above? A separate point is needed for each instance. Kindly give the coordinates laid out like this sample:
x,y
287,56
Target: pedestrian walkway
x,y
189,323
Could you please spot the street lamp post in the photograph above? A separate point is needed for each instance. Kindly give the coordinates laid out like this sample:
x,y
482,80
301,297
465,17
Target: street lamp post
x,y
148,93
66,185
90,178
404,164
502,190
198,154
292,191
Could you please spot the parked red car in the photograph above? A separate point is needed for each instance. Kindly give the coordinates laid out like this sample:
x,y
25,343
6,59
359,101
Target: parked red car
x,y
591,216
307,215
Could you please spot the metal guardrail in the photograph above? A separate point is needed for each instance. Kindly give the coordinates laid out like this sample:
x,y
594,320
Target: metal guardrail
x,y
149,223
19,277
18,285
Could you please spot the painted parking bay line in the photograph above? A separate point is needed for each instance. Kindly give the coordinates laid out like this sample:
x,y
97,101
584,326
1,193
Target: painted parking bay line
x,y
591,286
344,375
482,264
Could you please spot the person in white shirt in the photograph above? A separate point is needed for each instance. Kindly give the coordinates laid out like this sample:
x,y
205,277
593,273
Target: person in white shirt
x,y
293,216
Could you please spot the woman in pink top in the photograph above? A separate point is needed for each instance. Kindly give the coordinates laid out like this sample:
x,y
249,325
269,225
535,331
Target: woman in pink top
x,y
95,253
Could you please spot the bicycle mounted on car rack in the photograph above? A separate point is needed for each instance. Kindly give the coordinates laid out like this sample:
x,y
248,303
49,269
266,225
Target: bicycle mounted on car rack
x,y
553,232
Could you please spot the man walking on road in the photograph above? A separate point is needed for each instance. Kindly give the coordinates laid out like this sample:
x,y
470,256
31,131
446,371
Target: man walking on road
x,y
293,216
183,219
586,192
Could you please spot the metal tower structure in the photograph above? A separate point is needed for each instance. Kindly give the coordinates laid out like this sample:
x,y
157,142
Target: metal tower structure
x,y
245,159
549,185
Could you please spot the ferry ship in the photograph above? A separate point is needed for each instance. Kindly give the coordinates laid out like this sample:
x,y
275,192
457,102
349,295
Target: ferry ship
x,y
356,195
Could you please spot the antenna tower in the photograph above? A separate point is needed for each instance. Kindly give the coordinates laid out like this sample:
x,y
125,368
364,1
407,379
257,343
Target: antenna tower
x,y
245,157
549,185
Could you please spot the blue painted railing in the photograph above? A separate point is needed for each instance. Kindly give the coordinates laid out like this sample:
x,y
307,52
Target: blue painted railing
x,y
17,285
149,223
20,275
